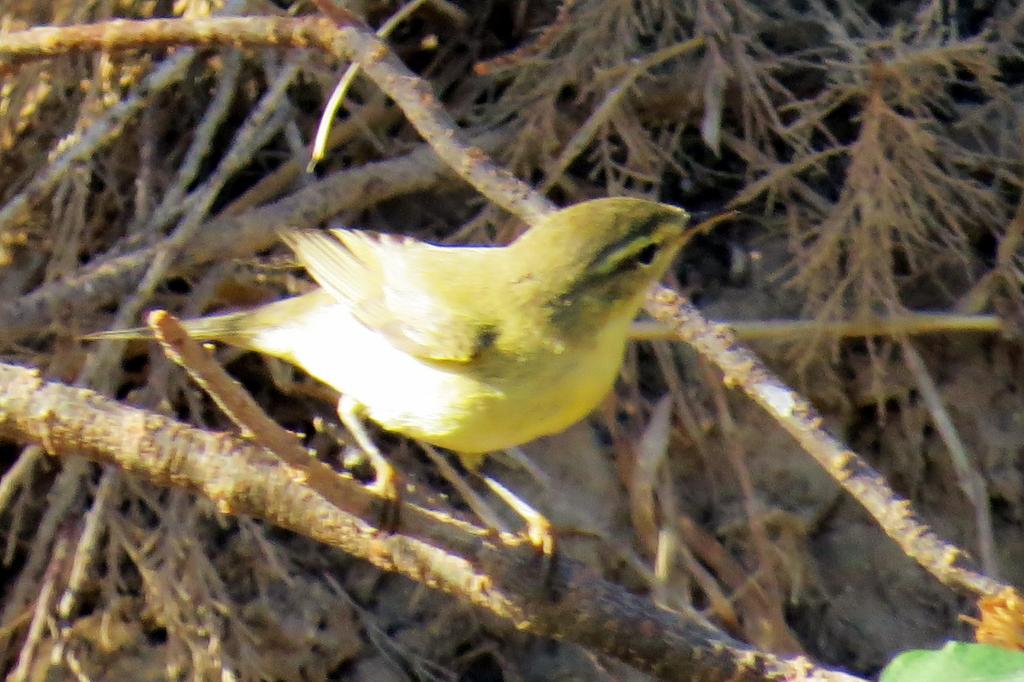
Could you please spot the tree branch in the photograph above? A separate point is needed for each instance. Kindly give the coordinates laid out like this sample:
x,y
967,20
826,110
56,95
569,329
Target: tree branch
x,y
501,576
798,417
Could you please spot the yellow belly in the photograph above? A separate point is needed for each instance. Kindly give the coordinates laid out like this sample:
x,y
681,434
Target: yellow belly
x,y
485,417
451,406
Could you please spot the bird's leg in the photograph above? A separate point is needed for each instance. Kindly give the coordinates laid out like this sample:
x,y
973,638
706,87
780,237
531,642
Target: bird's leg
x,y
472,499
516,457
385,477
538,528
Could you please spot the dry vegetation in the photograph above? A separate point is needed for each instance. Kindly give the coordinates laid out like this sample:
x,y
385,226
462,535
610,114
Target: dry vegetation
x,y
873,150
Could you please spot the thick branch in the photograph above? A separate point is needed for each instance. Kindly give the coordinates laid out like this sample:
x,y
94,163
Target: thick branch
x,y
502,577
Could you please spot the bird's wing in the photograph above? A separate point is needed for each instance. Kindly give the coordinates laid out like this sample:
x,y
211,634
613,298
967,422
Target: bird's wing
x,y
391,285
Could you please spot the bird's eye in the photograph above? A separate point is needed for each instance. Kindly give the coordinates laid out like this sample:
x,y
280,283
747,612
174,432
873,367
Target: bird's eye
x,y
646,255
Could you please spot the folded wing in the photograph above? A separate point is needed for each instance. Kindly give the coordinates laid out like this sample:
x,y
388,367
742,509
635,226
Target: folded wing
x,y
398,287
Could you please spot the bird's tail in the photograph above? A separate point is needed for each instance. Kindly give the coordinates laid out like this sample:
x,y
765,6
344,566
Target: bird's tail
x,y
249,329
231,328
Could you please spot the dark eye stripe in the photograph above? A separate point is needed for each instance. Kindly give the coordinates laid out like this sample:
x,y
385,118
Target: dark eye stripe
x,y
647,254
644,228
601,268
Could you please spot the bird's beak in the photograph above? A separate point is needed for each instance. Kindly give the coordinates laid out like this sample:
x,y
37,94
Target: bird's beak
x,y
711,223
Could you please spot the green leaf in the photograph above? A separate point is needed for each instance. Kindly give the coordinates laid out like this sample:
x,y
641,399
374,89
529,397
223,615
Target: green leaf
x,y
957,662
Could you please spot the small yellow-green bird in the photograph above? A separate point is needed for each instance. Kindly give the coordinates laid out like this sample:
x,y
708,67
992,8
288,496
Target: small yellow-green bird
x,y
474,349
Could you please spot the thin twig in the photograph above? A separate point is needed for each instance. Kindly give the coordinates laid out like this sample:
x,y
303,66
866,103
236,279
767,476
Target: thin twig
x,y
971,480
229,395
586,132
911,324
240,407
544,40
341,89
19,475
88,544
979,296
27,657
62,496
770,629
416,98
201,145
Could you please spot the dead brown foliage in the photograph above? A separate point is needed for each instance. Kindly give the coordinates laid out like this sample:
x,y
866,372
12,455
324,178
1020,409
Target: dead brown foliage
x,y
874,151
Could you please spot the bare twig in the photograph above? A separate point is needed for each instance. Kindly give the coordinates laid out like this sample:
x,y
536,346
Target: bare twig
x,y
43,605
63,494
979,296
225,391
87,546
536,46
240,407
341,89
423,110
46,42
971,481
18,476
770,630
586,132
910,324
202,144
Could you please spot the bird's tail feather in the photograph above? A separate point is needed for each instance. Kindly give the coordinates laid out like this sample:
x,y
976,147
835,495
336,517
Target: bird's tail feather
x,y
229,328
245,329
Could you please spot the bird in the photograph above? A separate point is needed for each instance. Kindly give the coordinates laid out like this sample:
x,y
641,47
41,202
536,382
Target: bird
x,y
470,348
